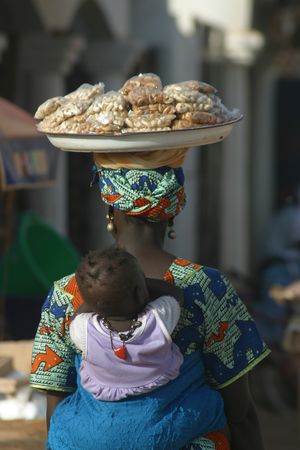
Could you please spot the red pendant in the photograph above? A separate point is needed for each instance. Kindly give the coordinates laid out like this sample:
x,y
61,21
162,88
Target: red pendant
x,y
121,352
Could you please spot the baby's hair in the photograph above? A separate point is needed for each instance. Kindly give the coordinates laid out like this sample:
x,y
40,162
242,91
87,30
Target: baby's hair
x,y
115,274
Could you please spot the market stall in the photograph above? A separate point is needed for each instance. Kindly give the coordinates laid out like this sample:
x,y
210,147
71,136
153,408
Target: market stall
x,y
27,161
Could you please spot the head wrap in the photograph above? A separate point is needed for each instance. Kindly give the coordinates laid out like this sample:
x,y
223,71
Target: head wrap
x,y
155,195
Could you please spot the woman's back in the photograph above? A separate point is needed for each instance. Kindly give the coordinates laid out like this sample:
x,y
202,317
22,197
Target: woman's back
x,y
213,334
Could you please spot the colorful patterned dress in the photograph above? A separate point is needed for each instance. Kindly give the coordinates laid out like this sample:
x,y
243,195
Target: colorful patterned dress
x,y
217,337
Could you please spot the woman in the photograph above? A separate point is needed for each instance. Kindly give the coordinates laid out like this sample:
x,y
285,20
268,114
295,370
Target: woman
x,y
215,334
280,268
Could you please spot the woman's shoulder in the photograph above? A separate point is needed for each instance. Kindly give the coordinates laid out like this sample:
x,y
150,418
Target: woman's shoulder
x,y
206,285
64,282
187,273
65,291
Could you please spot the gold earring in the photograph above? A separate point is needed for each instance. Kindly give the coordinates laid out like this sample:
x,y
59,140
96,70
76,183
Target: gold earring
x,y
171,232
110,218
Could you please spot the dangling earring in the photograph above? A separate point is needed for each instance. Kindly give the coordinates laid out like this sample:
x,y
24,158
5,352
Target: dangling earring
x,y
110,218
171,232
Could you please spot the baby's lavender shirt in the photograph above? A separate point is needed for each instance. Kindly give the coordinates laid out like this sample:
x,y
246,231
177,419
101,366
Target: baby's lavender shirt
x,y
152,360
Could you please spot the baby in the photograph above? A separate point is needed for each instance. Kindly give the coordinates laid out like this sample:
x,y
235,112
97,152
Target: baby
x,y
124,338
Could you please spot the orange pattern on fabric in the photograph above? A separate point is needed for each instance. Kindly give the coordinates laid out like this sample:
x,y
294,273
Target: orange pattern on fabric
x,y
50,358
112,198
180,196
184,263
72,288
219,336
219,439
149,211
181,263
159,210
169,277
65,324
45,330
141,201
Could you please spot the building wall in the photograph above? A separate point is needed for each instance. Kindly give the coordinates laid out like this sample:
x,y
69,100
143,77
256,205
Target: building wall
x,y
176,56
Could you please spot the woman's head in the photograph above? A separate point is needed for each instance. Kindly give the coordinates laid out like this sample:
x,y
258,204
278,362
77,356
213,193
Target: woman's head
x,y
153,195
112,283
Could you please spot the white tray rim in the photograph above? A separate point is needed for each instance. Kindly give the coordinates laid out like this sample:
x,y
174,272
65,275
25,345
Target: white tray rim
x,y
143,141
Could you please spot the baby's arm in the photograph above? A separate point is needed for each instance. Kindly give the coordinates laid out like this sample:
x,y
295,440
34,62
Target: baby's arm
x,y
83,308
158,288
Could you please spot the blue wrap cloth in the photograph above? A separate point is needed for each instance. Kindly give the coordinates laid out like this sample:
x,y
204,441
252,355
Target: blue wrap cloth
x,y
165,419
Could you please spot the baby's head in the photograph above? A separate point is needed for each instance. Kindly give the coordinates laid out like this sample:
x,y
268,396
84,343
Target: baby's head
x,y
112,284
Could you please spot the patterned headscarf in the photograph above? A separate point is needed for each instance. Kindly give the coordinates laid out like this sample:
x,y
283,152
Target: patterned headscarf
x,y
155,195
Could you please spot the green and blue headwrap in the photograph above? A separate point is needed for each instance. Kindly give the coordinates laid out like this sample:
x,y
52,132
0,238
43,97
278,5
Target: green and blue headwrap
x,y
155,195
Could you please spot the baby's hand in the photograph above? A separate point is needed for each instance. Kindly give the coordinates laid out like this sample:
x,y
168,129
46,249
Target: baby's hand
x,y
158,288
83,308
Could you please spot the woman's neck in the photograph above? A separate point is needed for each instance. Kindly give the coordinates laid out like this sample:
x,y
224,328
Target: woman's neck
x,y
139,238
147,247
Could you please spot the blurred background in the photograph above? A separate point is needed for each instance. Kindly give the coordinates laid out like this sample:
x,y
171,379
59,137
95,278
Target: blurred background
x,y
243,213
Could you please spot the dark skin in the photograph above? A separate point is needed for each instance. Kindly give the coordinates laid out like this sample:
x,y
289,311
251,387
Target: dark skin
x,y
245,433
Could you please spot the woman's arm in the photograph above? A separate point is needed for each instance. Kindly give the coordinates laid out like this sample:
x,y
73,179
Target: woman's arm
x,y
53,399
241,415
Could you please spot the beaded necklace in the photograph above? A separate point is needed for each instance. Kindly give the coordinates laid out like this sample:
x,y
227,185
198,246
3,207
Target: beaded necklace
x,y
121,351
